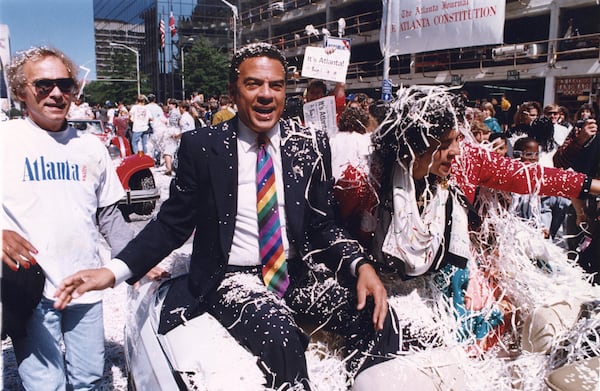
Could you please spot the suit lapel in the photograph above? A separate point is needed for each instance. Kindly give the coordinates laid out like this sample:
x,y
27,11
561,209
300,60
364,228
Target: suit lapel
x,y
224,177
296,173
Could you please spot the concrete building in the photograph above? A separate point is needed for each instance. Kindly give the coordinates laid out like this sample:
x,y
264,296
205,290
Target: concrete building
x,y
546,67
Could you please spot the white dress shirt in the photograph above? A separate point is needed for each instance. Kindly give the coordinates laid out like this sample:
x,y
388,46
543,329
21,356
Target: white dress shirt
x,y
244,249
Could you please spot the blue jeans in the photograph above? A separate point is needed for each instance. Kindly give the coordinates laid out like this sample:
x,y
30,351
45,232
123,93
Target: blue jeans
x,y
39,354
135,138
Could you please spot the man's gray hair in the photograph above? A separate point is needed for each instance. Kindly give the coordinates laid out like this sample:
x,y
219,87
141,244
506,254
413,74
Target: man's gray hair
x,y
15,70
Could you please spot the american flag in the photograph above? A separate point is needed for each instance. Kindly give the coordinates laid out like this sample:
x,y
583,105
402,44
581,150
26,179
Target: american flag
x,y
172,24
162,33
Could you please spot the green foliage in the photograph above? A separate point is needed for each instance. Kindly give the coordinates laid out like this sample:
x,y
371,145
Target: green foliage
x,y
206,69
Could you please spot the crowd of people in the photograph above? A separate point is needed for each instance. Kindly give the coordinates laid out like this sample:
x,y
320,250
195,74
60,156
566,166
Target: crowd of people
x,y
418,233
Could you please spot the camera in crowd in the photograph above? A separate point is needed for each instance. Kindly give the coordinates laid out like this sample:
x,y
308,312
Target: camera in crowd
x,y
580,123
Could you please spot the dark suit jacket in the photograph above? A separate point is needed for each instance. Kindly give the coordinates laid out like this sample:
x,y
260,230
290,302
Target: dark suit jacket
x,y
203,200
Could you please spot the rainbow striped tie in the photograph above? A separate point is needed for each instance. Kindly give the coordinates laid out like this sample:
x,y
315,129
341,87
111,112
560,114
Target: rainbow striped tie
x,y
274,269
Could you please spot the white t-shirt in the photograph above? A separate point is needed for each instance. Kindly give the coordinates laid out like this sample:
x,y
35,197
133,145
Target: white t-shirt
x,y
53,183
159,120
560,133
140,117
186,122
349,148
110,114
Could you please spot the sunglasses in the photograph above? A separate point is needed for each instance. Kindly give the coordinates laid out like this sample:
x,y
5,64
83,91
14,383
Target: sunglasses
x,y
44,87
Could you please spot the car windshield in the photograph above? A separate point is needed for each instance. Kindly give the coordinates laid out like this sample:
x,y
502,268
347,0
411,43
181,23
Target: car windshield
x,y
93,127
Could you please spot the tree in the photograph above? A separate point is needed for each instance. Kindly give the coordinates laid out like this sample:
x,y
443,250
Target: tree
x,y
206,68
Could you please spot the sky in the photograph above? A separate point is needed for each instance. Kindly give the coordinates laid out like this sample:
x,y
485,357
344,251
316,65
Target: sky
x,y
67,25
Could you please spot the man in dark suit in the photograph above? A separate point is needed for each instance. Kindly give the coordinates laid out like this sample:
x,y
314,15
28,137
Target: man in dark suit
x,y
323,276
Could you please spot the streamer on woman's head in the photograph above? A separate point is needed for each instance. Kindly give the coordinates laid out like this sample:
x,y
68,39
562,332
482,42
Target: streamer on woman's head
x,y
417,115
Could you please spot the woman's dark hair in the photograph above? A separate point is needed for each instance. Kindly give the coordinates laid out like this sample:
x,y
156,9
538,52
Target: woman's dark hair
x,y
522,142
378,110
582,108
353,119
417,115
542,131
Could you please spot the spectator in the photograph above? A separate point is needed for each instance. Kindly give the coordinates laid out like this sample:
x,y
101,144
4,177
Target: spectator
x,y
528,206
54,175
524,116
226,111
350,152
565,118
500,144
505,107
80,110
317,89
170,139
140,117
110,112
581,152
198,112
489,117
293,108
121,123
158,124
560,132
350,145
480,131
213,107
542,130
186,121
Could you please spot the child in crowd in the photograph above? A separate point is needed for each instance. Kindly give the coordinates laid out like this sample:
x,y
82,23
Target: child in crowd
x,y
500,144
528,206
480,131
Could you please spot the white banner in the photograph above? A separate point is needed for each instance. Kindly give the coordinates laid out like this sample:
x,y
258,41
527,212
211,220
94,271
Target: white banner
x,y
426,25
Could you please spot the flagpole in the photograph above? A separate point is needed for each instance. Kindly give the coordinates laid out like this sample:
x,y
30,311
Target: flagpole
x,y
164,73
388,34
161,29
164,68
172,31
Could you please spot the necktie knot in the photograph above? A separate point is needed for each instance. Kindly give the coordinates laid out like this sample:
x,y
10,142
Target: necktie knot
x,y
262,140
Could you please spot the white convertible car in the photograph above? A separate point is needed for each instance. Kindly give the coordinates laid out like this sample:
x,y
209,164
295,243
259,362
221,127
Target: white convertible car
x,y
178,360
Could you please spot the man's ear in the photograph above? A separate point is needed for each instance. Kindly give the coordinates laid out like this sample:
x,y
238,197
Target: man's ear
x,y
232,93
21,96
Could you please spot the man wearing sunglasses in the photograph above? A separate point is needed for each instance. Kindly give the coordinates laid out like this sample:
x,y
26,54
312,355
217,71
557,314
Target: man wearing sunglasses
x,y
59,190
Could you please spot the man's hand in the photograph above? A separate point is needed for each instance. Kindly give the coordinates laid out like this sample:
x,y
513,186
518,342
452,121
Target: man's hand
x,y
17,251
157,273
369,284
77,284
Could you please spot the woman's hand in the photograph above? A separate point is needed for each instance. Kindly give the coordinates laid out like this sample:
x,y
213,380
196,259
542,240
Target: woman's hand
x,y
17,251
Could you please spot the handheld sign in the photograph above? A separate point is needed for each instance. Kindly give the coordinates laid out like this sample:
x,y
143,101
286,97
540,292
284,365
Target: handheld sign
x,y
320,114
318,64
